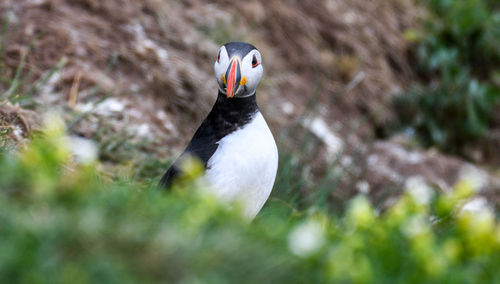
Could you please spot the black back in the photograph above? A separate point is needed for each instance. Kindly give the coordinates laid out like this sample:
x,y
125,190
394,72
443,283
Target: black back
x,y
226,116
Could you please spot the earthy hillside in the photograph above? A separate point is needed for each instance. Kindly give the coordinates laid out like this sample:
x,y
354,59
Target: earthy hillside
x,y
136,78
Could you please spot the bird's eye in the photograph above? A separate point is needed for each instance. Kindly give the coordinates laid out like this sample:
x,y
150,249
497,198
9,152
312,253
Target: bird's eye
x,y
255,62
218,57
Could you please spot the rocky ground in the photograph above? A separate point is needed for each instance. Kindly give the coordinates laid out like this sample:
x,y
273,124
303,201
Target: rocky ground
x,y
135,76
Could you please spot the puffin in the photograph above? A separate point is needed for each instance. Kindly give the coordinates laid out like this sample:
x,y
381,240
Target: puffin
x,y
234,143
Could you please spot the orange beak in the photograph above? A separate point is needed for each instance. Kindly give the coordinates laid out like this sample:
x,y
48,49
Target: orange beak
x,y
233,75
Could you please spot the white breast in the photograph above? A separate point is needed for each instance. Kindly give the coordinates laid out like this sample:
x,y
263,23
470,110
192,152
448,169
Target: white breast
x,y
243,168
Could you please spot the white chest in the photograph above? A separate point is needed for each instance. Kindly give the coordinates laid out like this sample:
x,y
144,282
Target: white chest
x,y
244,166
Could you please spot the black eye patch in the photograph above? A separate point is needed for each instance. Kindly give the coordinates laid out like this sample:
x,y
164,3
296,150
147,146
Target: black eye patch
x,y
255,62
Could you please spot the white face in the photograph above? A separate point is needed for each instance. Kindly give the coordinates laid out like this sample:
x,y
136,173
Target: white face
x,y
250,67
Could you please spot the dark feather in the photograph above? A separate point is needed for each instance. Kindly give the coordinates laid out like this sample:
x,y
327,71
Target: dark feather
x,y
238,48
226,116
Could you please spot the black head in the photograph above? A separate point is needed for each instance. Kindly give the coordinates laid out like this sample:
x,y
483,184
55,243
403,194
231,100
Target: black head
x,y
238,48
238,69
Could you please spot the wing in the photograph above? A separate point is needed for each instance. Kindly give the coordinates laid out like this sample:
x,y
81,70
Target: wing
x,y
169,176
203,145
225,117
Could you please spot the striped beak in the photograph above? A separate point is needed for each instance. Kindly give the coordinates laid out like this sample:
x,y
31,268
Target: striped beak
x,y
233,77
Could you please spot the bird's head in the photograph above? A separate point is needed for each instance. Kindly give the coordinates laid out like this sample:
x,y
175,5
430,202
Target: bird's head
x,y
238,69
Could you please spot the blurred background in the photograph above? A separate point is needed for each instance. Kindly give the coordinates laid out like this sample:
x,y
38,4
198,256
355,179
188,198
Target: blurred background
x,y
360,95
363,97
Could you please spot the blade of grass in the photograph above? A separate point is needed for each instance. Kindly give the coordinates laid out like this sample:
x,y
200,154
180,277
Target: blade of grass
x,y
3,42
16,81
47,76
327,185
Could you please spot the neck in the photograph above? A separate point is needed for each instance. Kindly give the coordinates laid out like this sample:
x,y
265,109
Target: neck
x,y
235,107
232,113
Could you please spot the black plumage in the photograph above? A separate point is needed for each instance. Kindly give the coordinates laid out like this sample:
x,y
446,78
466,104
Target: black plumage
x,y
238,48
226,116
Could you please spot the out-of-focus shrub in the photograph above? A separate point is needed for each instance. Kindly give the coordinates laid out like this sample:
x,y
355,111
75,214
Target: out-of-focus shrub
x,y
61,222
458,54
450,113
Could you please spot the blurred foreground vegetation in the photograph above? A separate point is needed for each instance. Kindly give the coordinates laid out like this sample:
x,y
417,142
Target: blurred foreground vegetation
x,y
61,222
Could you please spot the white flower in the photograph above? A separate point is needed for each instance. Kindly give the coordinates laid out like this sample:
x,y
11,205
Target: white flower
x,y
84,150
419,190
415,226
306,238
474,176
476,205
478,216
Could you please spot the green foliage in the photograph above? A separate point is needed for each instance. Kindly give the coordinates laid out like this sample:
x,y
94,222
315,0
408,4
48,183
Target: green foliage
x,y
461,34
62,223
458,52
451,114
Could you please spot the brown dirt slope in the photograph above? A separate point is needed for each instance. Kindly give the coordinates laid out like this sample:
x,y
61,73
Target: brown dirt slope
x,y
144,67
163,50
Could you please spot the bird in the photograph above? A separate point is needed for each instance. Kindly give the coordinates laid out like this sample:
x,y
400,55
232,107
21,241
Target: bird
x,y
234,143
